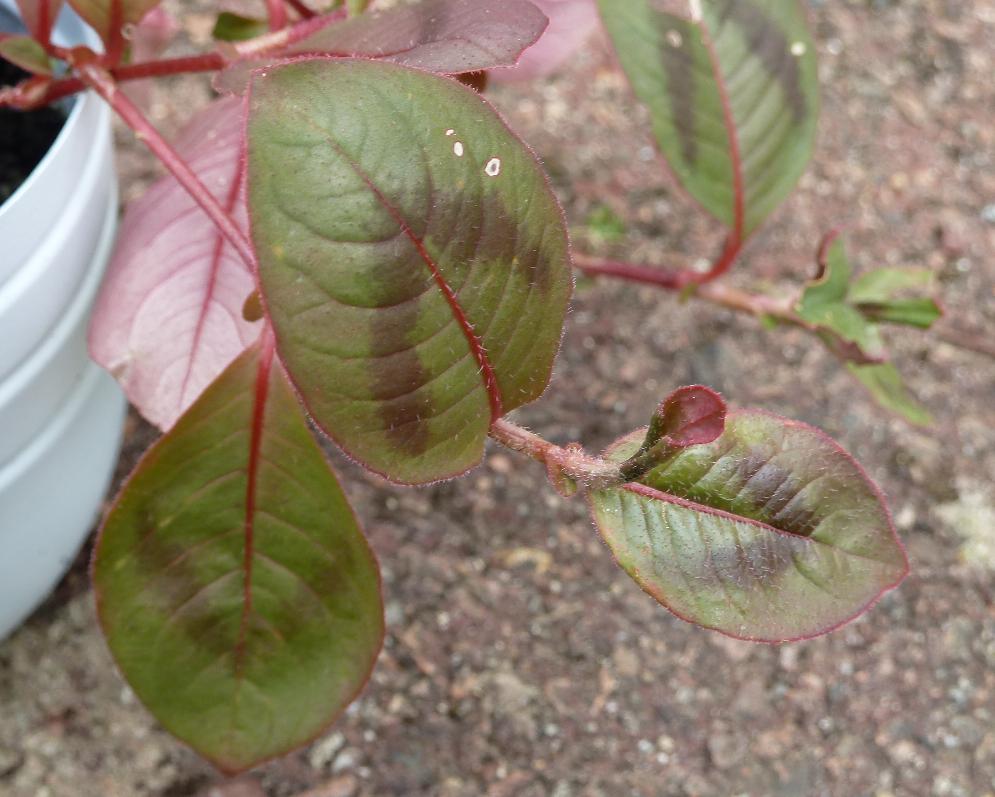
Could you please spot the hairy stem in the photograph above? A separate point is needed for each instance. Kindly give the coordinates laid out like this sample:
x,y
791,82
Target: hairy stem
x,y
572,461
102,82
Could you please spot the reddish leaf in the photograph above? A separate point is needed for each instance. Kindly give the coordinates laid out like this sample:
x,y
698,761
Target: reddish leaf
x,y
690,416
448,36
169,318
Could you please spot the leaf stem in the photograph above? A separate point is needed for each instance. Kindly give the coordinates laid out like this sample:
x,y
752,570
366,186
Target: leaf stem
x,y
101,81
205,62
571,461
277,13
718,293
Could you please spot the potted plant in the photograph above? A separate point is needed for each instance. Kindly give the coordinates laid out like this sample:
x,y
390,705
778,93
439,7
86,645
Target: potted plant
x,y
351,242
60,415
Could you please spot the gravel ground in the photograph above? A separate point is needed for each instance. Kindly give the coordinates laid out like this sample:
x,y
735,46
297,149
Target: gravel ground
x,y
519,660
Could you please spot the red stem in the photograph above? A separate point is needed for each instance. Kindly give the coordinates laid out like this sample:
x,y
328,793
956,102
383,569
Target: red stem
x,y
101,81
277,13
209,62
669,279
115,42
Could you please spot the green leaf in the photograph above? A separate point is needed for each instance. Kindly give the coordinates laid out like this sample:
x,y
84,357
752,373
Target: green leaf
x,y
921,313
234,586
733,97
886,386
770,533
411,255
824,304
26,53
231,27
883,284
604,224
106,15
875,292
356,7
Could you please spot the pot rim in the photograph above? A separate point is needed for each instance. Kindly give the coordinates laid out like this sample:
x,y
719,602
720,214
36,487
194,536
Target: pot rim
x,y
80,102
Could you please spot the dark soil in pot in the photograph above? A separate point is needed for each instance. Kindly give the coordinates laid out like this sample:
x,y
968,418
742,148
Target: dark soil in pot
x,y
25,136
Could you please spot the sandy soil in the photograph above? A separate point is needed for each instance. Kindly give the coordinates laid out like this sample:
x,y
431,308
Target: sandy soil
x,y
519,660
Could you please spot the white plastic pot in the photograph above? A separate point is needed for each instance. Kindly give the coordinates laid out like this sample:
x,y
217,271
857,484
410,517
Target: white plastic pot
x,y
61,416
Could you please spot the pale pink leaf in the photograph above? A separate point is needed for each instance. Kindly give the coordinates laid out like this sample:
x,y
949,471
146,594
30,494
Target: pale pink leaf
x,y
169,317
571,23
149,40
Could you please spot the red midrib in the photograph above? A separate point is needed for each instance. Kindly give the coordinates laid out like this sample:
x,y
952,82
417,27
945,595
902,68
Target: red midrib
x,y
476,345
212,281
260,395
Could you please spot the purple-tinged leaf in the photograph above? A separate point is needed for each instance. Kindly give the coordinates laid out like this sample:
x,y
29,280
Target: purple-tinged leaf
x,y
453,37
770,533
690,416
25,52
732,94
108,17
571,23
233,583
169,318
447,36
412,258
39,16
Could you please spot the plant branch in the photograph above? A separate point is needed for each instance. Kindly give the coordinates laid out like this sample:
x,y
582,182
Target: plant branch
x,y
277,14
718,293
571,461
101,81
33,97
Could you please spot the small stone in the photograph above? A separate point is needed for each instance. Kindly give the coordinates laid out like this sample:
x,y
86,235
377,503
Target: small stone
x,y
342,786
347,759
323,751
726,750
